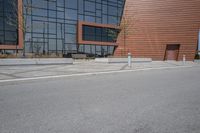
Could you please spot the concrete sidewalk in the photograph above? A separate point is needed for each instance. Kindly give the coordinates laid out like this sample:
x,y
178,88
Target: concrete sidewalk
x,y
80,67
35,61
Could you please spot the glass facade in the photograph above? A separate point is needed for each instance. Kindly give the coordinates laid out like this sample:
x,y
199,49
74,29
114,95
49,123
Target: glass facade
x,y
51,25
8,22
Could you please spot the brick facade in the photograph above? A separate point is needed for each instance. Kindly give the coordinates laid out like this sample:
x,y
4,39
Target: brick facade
x,y
155,24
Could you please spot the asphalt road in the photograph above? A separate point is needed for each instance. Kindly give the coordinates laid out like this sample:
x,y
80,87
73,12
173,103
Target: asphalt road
x,y
155,101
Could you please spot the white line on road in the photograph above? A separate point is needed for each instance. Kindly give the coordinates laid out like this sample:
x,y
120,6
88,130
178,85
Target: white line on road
x,y
87,74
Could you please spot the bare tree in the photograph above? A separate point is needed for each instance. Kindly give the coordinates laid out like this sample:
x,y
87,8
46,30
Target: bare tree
x,y
125,28
113,33
37,46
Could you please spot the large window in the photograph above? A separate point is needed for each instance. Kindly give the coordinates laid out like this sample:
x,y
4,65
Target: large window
x,y
91,33
8,22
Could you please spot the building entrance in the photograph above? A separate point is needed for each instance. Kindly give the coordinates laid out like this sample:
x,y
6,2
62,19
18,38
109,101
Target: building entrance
x,y
172,51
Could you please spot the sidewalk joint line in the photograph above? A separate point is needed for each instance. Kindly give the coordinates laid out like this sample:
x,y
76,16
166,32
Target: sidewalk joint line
x,y
91,73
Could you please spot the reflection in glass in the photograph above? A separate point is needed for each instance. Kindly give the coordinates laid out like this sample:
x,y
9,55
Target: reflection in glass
x,y
8,22
55,23
91,33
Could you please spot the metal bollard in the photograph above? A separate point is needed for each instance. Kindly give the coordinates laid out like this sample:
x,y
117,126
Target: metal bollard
x,y
129,60
184,59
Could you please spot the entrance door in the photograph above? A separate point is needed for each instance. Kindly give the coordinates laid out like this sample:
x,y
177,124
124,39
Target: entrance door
x,y
172,51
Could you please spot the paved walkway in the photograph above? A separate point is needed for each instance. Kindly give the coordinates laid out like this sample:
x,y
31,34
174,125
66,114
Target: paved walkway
x,y
13,72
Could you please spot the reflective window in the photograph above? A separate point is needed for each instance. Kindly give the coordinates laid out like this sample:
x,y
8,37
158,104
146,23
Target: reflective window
x,y
71,4
91,33
90,6
71,14
8,22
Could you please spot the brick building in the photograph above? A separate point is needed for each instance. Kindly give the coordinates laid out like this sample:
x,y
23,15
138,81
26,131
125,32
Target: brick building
x,y
161,29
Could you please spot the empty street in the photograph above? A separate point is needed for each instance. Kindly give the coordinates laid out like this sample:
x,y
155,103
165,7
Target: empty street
x,y
152,101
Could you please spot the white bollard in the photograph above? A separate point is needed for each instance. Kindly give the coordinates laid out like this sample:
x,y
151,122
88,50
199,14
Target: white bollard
x,y
129,60
184,59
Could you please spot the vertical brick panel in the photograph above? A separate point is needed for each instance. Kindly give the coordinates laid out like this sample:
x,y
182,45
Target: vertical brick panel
x,y
156,23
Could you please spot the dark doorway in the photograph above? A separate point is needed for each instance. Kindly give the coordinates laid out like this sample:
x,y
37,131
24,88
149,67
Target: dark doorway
x,y
172,51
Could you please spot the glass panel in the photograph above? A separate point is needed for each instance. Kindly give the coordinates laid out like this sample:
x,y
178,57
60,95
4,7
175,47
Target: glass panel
x,y
80,7
71,14
89,6
40,12
112,10
89,19
52,44
10,36
1,23
81,48
93,49
71,4
1,39
70,38
59,45
60,3
40,3
60,15
70,28
105,9
52,5
98,50
52,28
87,49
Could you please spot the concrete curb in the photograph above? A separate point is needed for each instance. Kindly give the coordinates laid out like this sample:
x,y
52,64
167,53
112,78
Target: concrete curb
x,y
35,61
121,60
197,61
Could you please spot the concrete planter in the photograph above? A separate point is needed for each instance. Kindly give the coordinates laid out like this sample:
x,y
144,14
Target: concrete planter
x,y
197,61
121,60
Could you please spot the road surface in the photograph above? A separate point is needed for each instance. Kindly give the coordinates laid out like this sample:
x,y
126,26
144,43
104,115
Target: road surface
x,y
153,101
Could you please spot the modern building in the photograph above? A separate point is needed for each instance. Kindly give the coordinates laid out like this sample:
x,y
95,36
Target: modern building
x,y
161,30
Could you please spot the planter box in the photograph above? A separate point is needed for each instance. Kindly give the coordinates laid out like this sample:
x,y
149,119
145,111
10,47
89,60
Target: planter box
x,y
121,60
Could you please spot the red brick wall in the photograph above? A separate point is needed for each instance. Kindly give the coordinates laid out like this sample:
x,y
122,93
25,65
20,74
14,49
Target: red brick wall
x,y
156,23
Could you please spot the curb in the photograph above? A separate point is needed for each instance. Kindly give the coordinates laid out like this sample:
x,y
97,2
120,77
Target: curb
x,y
35,61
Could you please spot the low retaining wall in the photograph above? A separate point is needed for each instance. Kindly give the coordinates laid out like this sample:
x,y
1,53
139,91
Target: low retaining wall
x,y
121,60
36,61
197,61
